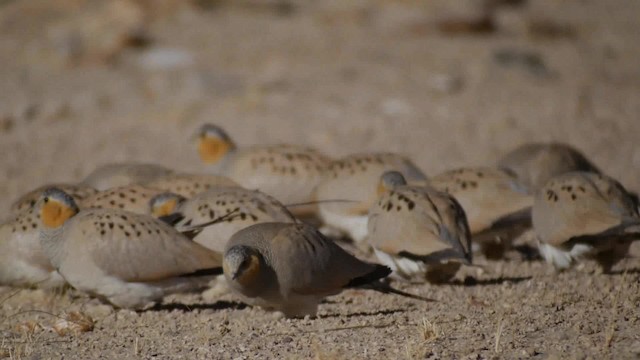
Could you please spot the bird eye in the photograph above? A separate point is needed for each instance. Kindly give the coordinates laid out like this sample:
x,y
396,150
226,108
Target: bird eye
x,y
46,200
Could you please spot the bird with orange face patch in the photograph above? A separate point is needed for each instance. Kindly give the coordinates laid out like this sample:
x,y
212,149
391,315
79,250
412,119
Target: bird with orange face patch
x,y
290,268
241,207
23,263
128,259
78,191
289,173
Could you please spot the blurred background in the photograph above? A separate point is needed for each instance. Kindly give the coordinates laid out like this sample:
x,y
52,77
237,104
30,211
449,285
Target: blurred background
x,y
449,83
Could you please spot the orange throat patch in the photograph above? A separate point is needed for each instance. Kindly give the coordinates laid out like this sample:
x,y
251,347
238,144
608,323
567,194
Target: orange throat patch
x,y
54,214
212,150
167,208
250,274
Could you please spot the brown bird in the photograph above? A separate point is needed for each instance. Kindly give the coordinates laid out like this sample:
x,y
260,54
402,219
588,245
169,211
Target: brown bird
x,y
241,207
584,215
23,263
289,173
26,201
133,198
497,206
417,231
291,267
127,259
188,185
350,188
536,163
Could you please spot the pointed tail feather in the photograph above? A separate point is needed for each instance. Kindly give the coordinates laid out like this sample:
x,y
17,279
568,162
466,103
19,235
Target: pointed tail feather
x,y
371,281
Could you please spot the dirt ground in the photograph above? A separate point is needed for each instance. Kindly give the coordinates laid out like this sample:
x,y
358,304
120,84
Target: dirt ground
x,y
90,82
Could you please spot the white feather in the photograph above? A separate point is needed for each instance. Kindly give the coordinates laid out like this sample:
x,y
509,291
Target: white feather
x,y
354,226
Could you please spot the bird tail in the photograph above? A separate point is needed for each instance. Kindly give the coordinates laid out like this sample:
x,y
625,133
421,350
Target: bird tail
x,y
384,288
371,281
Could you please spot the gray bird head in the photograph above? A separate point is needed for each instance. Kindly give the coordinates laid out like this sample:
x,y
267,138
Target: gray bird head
x,y
213,143
390,180
55,207
242,264
165,204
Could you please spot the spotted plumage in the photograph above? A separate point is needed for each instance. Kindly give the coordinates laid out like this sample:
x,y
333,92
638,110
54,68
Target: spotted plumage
x,y
536,163
582,214
26,201
353,182
22,260
289,173
133,198
497,206
188,185
247,207
128,259
418,232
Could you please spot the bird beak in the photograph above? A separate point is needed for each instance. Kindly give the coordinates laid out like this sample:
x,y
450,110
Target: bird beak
x,y
235,275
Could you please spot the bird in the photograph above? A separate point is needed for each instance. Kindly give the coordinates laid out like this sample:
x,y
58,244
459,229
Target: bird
x,y
289,173
291,267
133,198
23,262
584,215
349,189
497,206
242,207
189,185
77,191
121,174
129,260
536,163
418,231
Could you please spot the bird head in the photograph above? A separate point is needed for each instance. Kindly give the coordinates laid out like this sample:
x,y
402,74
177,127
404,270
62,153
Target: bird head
x,y
165,204
242,264
213,143
56,207
390,180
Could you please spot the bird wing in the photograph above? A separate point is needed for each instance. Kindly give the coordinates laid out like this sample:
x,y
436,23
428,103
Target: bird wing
x,y
308,263
136,247
418,221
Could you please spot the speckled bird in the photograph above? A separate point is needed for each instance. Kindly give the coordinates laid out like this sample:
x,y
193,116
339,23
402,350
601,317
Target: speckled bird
x,y
23,263
584,215
243,208
77,191
134,198
497,206
188,185
289,173
419,232
350,188
127,259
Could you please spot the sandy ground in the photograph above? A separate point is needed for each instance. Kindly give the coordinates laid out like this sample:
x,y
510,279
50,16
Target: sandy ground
x,y
343,76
